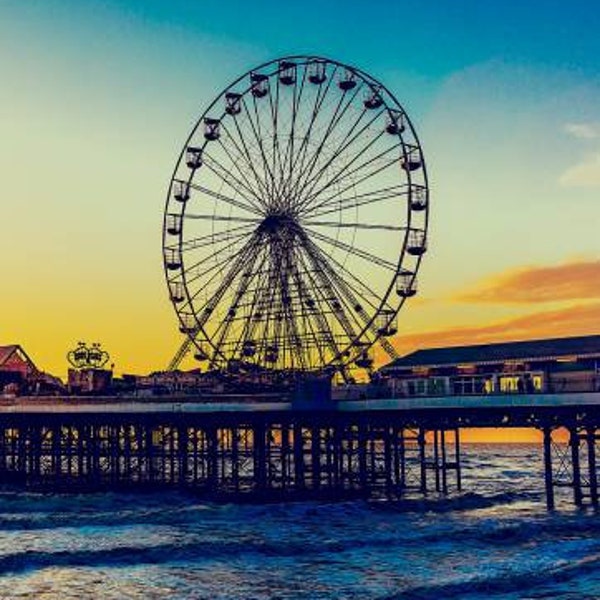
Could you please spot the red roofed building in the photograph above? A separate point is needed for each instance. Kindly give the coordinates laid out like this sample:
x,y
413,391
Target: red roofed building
x,y
14,360
18,373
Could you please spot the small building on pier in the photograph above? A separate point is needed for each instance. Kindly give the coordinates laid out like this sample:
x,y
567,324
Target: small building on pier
x,y
19,374
89,381
558,365
15,364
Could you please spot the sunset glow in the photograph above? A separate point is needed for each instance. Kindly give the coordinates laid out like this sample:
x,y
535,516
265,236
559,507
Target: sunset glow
x,y
511,141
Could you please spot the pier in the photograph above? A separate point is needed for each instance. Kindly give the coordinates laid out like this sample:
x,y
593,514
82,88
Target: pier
x,y
270,450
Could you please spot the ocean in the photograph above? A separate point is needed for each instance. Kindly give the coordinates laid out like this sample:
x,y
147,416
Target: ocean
x,y
495,540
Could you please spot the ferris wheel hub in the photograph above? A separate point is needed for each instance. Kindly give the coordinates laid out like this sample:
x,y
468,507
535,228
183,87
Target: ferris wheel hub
x,y
278,221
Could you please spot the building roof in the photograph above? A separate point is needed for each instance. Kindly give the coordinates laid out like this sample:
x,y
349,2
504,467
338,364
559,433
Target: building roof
x,y
588,345
7,351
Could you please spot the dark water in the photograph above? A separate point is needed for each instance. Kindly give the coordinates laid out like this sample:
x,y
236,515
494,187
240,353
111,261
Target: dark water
x,y
496,541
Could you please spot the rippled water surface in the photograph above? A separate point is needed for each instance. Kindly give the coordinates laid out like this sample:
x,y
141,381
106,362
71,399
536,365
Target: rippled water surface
x,y
495,541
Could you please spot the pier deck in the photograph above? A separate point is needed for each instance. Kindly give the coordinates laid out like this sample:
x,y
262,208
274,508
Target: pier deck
x,y
269,450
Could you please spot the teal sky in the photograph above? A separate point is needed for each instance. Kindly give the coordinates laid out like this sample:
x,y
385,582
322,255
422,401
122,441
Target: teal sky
x,y
96,99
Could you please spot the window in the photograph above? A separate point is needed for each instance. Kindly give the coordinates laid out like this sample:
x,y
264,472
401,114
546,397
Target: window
x,y
522,383
469,385
436,386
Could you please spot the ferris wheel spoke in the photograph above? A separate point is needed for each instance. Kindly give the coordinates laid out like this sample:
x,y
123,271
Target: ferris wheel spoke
x,y
291,323
250,325
299,160
213,239
281,295
372,258
224,198
363,225
302,296
276,309
344,173
215,267
356,183
297,324
212,302
356,300
259,180
352,300
344,144
307,322
225,326
341,203
345,289
255,125
267,304
257,134
211,217
243,177
228,177
289,148
245,334
335,119
246,247
327,286
275,154
354,282
322,307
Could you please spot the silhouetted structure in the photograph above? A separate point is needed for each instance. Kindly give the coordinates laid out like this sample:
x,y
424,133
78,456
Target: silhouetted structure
x,y
270,214
274,450
570,364
19,374
87,375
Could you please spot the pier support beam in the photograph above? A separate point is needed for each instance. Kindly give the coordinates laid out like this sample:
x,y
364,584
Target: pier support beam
x,y
422,460
457,459
548,473
574,443
593,478
298,441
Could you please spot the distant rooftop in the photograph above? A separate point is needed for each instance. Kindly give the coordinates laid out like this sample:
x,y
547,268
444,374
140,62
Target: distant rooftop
x,y
7,351
588,345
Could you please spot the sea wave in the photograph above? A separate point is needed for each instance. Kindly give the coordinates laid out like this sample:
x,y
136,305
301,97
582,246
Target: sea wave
x,y
495,540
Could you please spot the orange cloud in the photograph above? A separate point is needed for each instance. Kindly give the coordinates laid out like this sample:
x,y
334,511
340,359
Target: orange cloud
x,y
583,319
569,281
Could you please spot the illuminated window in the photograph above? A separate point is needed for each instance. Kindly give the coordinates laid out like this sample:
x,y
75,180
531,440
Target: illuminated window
x,y
508,383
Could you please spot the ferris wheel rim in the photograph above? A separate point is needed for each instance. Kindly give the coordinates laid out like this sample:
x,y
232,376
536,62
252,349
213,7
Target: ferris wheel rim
x,y
371,81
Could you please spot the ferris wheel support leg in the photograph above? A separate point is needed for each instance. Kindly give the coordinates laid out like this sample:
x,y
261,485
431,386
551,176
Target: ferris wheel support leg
x,y
180,354
389,349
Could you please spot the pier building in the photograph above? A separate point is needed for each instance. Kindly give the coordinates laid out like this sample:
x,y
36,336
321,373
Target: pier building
x,y
15,364
560,365
20,375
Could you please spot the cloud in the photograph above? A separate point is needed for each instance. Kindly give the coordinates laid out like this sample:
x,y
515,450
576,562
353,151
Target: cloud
x,y
584,174
583,131
569,281
576,320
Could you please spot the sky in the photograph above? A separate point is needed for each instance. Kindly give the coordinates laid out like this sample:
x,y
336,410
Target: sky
x,y
97,99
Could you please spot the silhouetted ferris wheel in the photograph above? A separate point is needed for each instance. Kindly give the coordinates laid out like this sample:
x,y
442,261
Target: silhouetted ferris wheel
x,y
296,220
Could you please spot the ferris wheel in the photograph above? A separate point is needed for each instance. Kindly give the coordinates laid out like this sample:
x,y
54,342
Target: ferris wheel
x,y
296,220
